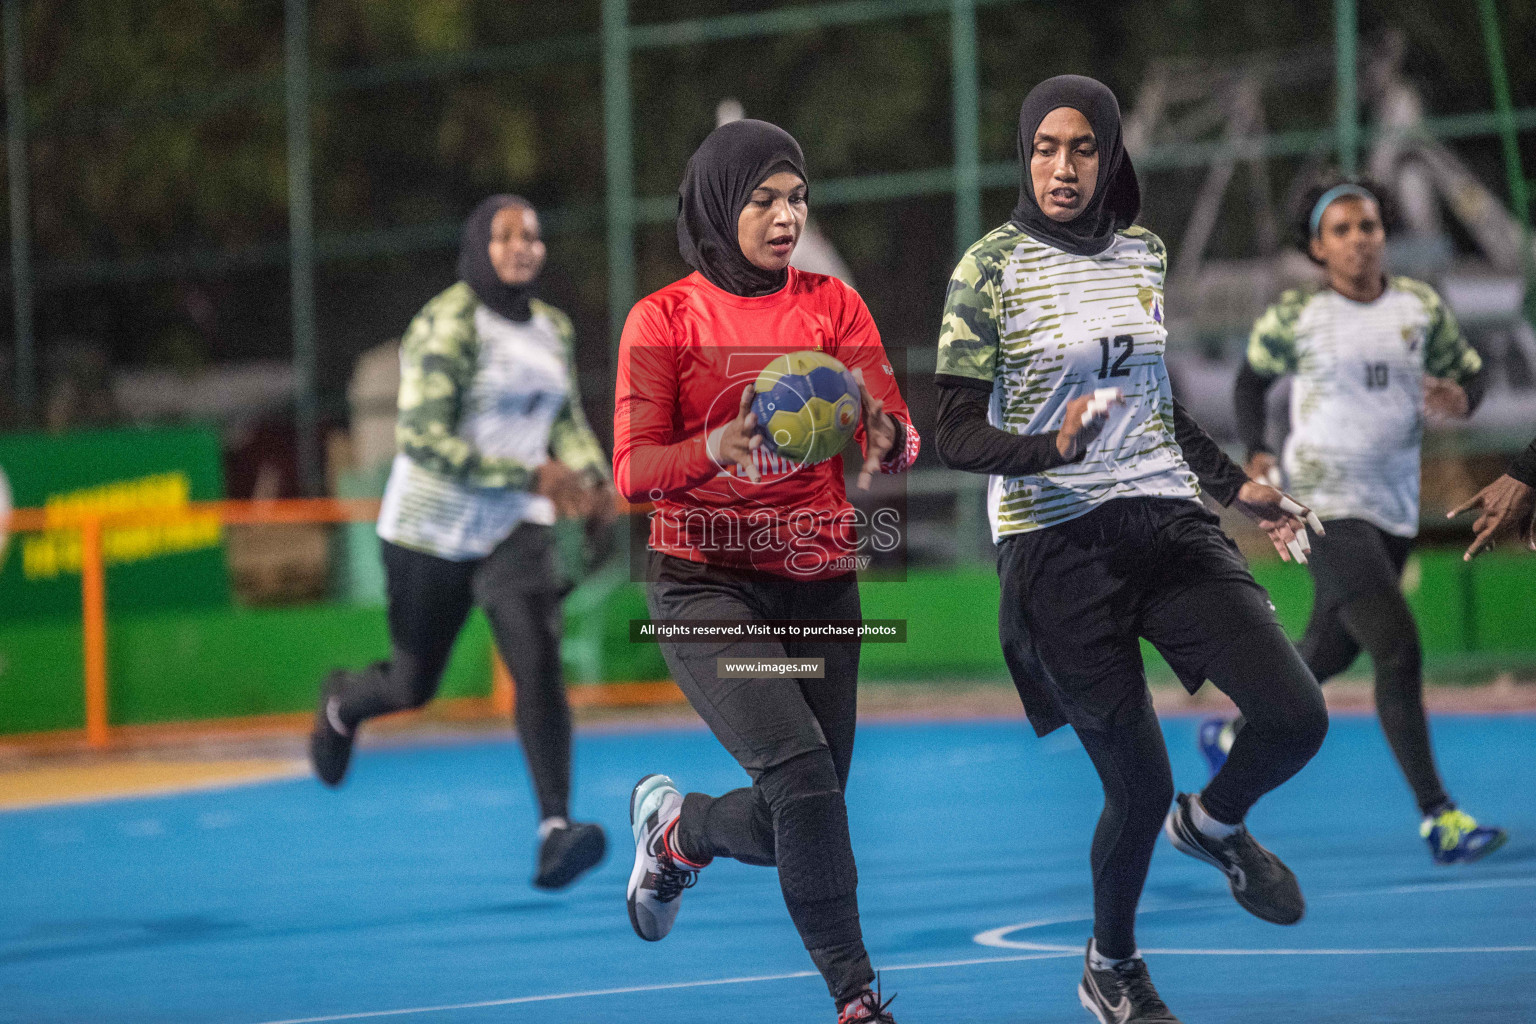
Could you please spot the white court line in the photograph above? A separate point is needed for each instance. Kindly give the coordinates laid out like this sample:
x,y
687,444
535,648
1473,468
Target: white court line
x,y
997,938
544,998
590,993
1033,951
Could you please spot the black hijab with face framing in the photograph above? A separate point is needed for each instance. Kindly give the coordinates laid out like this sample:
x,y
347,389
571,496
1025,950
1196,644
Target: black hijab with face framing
x,y
1116,197
475,268
730,163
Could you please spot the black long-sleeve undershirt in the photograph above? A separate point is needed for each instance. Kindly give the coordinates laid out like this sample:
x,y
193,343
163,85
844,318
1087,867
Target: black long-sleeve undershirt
x,y
965,440
1524,466
1476,386
1219,476
1248,398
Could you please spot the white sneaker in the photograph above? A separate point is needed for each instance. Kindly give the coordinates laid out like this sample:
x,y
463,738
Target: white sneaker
x,y
659,878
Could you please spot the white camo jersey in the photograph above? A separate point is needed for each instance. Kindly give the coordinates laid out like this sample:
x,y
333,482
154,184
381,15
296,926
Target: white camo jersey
x,y
1357,401
1044,326
484,401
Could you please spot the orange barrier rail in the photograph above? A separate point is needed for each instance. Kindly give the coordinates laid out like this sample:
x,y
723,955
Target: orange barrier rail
x,y
229,513
93,583
93,574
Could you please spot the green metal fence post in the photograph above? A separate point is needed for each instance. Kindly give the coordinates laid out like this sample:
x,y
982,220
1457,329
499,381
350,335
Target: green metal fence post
x,y
301,243
618,142
962,48
21,217
1505,110
1519,188
1346,28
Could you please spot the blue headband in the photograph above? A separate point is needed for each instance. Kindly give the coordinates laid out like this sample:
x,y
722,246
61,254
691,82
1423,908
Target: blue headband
x,y
1337,192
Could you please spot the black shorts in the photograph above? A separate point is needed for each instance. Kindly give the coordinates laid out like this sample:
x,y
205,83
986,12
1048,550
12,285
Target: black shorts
x,y
1077,596
1354,559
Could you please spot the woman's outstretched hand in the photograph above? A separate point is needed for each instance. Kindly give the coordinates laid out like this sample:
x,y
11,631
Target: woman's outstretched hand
x,y
1504,506
1279,515
734,442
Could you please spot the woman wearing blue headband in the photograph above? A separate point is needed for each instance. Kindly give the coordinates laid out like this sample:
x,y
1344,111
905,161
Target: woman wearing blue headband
x,y
1372,354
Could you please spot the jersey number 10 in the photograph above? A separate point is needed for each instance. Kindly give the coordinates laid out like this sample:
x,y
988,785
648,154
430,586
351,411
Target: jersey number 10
x,y
1376,376
1124,341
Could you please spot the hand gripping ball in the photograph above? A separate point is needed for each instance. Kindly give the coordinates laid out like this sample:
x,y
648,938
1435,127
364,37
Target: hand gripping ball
x,y
807,406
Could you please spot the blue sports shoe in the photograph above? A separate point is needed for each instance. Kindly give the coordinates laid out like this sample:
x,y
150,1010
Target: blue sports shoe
x,y
1455,837
1216,735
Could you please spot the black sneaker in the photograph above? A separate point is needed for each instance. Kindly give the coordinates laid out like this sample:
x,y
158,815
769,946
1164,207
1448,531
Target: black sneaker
x,y
1123,994
1261,883
568,852
330,744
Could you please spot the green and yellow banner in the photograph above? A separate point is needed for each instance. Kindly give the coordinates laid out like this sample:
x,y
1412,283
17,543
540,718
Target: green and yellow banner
x,y
156,555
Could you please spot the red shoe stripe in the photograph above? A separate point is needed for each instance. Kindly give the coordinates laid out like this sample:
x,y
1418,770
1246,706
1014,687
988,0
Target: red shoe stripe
x,y
666,844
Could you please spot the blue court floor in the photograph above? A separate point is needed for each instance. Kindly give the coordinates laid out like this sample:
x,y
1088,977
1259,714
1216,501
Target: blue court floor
x,y
404,896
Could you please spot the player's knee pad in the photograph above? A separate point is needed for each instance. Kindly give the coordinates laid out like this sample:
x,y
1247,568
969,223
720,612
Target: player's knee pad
x,y
810,828
811,772
815,851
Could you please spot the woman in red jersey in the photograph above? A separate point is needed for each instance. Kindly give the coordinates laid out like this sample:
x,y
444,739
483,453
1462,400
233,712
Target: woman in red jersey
x,y
741,536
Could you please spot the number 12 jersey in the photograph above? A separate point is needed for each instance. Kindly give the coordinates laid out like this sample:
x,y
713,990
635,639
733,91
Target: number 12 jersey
x,y
1044,326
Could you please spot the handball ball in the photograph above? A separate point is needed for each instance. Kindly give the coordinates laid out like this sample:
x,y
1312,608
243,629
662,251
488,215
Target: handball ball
x,y
807,406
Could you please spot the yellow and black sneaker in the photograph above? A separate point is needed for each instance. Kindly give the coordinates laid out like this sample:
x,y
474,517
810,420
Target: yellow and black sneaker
x,y
1123,994
1455,837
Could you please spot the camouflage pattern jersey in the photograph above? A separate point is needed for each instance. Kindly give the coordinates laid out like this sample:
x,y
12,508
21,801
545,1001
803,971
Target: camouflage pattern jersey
x,y
1356,403
484,401
1044,326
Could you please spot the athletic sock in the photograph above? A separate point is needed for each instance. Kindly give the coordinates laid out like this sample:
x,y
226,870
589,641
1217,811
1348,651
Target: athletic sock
x,y
1099,962
1208,825
1438,809
551,823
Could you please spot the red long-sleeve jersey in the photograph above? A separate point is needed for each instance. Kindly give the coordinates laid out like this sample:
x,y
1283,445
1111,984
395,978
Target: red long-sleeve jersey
x,y
685,356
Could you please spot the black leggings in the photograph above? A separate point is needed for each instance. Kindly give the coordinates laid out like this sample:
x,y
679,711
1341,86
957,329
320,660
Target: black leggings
x,y
794,737
520,588
1075,599
1286,724
1358,605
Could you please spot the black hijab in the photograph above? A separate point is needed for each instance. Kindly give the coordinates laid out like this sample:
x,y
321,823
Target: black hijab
x,y
732,161
1116,196
510,300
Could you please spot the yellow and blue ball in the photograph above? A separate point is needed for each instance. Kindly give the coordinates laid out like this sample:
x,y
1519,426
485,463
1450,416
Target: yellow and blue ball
x,y
807,406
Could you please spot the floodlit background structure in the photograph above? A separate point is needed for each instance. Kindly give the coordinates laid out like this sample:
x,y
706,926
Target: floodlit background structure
x,y
223,216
